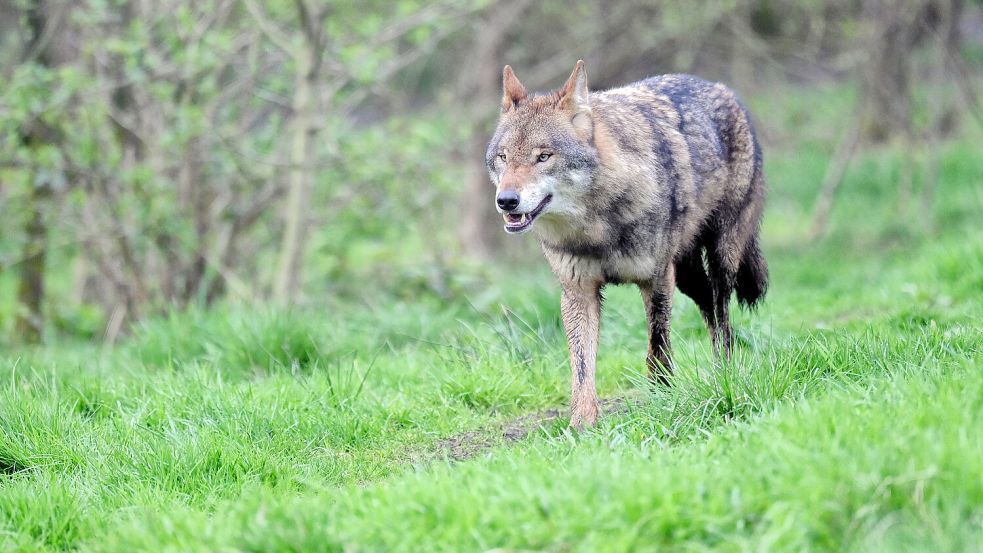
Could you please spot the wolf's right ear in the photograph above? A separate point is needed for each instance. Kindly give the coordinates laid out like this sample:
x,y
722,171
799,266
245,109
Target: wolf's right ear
x,y
574,98
513,90
574,95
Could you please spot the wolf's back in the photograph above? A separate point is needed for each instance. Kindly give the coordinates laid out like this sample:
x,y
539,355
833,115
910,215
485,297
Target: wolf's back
x,y
712,118
708,116
698,139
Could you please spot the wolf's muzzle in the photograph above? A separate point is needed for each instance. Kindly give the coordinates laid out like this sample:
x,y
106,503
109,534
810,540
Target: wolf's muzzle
x,y
507,200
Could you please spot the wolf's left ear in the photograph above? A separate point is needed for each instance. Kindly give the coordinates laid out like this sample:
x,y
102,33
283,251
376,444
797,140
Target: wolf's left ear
x,y
574,96
513,91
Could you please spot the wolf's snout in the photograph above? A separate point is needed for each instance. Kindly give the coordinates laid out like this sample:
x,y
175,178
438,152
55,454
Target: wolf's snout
x,y
507,200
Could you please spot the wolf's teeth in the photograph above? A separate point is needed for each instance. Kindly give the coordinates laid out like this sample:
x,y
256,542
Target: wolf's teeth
x,y
506,217
522,220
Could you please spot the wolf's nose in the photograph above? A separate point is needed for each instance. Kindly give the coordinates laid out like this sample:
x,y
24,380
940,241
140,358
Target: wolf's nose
x,y
507,200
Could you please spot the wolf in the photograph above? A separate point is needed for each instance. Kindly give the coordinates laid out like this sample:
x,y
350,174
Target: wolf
x,y
658,183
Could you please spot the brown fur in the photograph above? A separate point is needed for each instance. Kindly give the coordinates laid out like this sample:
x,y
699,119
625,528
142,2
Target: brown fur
x,y
658,183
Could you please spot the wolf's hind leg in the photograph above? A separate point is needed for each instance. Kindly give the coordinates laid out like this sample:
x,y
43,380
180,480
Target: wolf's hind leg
x,y
658,307
692,280
722,275
580,306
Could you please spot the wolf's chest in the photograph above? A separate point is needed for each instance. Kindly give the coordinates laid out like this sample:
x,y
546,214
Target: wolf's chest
x,y
637,269
605,266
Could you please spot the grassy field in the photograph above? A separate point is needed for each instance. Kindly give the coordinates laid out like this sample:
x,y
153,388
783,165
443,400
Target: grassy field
x,y
848,420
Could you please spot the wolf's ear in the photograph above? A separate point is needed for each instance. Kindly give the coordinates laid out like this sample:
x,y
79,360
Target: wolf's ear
x,y
573,95
513,90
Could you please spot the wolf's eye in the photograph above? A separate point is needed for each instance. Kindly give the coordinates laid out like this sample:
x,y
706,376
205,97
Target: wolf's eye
x,y
543,157
501,157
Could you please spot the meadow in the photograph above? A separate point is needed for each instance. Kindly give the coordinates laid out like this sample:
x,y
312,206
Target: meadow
x,y
848,420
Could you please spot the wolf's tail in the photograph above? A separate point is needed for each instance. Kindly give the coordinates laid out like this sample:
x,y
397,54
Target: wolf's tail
x,y
752,275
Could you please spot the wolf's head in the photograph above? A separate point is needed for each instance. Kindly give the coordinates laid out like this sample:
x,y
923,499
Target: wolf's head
x,y
541,158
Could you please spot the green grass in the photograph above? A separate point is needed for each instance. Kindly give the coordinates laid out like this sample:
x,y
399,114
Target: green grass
x,y
848,420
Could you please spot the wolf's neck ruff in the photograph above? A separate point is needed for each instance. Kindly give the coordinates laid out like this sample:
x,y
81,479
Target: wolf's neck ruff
x,y
657,183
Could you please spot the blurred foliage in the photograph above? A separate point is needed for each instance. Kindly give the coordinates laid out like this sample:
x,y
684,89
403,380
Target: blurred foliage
x,y
171,127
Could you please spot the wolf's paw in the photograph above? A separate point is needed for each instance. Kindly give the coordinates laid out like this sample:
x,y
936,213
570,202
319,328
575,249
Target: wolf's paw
x,y
584,415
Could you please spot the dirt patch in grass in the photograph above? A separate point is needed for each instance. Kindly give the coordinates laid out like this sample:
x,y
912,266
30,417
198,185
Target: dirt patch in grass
x,y
472,443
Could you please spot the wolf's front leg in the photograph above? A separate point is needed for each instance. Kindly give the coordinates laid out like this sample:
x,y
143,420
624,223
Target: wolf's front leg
x,y
658,306
581,308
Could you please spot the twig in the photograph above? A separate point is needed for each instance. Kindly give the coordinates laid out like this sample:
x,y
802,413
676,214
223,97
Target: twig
x,y
279,39
835,172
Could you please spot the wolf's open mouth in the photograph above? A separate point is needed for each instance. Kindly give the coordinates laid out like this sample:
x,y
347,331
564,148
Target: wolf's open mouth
x,y
520,222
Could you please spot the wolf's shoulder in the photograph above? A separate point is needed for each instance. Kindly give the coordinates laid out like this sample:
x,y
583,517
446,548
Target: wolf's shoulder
x,y
686,92
673,82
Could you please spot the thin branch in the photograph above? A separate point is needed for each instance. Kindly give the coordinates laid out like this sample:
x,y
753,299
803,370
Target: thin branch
x,y
835,172
277,37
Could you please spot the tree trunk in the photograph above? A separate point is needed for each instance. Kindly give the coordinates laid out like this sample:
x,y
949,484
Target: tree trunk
x,y
46,47
288,277
34,258
480,87
886,76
